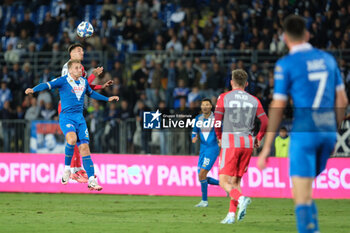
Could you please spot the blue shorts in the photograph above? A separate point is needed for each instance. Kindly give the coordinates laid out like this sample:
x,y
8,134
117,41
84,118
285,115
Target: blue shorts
x,y
309,152
207,157
76,123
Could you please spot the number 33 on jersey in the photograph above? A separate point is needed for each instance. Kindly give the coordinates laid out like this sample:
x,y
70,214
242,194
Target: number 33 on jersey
x,y
239,110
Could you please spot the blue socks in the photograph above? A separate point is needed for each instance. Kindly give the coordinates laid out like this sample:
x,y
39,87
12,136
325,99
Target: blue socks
x,y
305,222
315,215
88,166
69,151
204,188
212,181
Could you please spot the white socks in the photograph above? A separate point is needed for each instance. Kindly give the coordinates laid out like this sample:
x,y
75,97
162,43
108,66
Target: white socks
x,y
231,214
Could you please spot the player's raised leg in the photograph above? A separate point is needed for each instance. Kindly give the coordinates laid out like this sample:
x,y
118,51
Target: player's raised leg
x,y
71,138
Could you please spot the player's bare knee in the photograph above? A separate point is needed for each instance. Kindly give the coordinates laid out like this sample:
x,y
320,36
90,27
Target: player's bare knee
x,y
71,138
72,141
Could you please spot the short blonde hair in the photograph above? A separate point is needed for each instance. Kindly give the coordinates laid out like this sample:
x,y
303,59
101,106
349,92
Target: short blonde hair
x,y
240,77
71,62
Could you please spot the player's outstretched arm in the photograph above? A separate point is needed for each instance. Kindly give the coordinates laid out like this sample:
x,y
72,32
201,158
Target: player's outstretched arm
x,y
55,83
97,96
37,88
275,117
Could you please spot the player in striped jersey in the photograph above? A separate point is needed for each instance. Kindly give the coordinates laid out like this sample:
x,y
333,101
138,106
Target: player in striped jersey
x,y
76,52
237,110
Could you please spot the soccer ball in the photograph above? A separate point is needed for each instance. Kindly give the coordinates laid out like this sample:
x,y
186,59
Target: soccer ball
x,y
85,29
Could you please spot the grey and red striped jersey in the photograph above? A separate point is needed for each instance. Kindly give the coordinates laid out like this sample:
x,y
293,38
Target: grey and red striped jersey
x,y
238,110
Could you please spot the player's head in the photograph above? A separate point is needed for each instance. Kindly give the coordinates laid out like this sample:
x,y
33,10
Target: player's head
x,y
239,79
76,52
74,68
294,30
206,106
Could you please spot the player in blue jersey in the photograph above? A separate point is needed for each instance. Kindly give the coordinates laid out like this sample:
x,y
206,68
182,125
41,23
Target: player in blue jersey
x,y
312,79
72,89
209,149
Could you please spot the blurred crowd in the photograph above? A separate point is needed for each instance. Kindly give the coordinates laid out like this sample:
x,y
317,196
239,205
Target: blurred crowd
x,y
167,78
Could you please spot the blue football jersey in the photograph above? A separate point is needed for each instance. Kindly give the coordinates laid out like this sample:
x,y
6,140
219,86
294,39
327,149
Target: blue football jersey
x,y
206,131
71,93
311,77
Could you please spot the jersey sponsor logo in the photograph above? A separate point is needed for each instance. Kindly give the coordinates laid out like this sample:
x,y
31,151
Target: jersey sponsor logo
x,y
77,89
86,133
69,126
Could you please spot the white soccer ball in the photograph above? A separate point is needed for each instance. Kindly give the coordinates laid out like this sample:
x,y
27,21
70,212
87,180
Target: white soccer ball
x,y
85,29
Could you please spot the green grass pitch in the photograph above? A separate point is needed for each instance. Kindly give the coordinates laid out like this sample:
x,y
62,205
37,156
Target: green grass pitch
x,y
83,213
